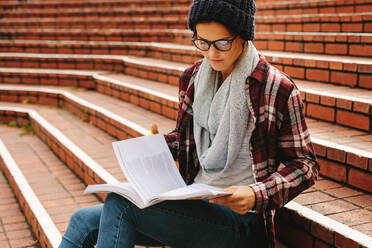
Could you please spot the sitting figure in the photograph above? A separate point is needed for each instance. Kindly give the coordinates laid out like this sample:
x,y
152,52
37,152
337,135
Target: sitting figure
x,y
240,127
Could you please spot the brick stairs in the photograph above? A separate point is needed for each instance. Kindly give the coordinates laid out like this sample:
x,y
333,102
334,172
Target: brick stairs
x,y
78,75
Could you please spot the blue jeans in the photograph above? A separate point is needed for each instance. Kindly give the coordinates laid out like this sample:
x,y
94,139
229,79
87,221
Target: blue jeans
x,y
184,223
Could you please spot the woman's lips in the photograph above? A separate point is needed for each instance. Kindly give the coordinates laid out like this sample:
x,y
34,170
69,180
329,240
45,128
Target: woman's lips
x,y
216,61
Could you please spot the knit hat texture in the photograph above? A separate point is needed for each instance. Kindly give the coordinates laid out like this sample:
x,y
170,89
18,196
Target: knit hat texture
x,y
236,15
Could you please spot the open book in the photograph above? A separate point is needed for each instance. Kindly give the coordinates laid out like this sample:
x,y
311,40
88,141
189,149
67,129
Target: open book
x,y
152,174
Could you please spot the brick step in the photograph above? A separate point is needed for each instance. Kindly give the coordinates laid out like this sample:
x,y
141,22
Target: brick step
x,y
341,70
54,187
147,68
313,218
17,5
324,22
312,228
264,7
101,126
347,159
351,44
64,187
167,51
272,7
174,11
15,230
181,36
348,22
349,71
61,181
331,103
93,22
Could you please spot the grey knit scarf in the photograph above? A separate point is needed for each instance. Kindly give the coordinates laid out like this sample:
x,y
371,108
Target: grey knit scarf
x,y
221,116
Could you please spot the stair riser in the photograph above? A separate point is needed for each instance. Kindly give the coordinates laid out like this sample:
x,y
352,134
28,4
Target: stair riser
x,y
264,9
49,5
92,25
296,10
297,25
338,164
116,12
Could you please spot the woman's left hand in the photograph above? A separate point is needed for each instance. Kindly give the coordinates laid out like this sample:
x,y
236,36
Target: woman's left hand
x,y
241,201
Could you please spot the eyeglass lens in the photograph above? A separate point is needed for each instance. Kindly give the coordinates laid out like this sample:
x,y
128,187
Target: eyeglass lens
x,y
222,45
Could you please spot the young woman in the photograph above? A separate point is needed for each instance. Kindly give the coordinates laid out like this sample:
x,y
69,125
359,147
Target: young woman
x,y
239,119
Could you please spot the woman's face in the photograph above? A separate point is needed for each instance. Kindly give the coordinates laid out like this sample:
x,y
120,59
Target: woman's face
x,y
223,61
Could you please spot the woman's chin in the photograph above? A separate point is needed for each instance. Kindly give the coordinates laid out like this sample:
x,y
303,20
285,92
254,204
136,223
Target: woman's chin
x,y
217,67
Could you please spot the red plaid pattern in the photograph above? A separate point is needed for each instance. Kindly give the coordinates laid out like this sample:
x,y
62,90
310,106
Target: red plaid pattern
x,y
280,137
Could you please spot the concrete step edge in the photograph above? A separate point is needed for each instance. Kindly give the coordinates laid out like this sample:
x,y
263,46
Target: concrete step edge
x,y
332,225
48,227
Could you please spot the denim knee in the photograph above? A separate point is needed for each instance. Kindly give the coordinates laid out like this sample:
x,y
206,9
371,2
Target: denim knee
x,y
78,218
117,206
115,202
83,226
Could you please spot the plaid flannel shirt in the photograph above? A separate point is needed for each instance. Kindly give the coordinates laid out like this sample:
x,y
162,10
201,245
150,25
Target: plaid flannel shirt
x,y
280,136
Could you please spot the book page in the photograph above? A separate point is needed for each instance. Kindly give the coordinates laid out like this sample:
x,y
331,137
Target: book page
x,y
123,189
148,165
193,190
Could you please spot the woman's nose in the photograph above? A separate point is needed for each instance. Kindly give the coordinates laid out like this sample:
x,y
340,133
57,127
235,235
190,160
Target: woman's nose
x,y
212,52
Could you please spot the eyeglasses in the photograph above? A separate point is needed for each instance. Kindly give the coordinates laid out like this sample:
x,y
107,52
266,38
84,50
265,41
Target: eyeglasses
x,y
221,45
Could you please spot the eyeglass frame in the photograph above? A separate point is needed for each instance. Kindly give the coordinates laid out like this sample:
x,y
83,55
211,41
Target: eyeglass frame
x,y
213,43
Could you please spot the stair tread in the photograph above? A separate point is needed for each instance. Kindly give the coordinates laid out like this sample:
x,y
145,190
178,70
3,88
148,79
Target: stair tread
x,y
42,168
340,135
12,220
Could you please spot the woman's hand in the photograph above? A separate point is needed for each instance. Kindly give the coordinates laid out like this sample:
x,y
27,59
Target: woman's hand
x,y
241,201
154,129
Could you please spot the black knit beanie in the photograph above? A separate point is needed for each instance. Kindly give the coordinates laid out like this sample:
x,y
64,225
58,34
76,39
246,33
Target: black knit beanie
x,y
236,15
